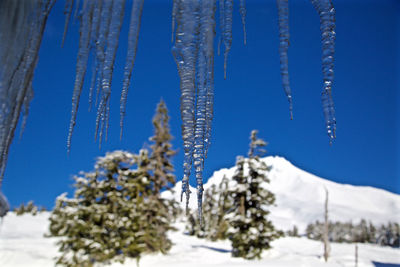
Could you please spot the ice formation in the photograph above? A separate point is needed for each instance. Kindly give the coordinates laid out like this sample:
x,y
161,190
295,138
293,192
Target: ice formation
x,y
22,25
326,14
194,55
242,11
133,36
100,27
283,15
226,16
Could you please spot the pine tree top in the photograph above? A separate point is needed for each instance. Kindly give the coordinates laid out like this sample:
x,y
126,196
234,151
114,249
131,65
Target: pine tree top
x,y
256,145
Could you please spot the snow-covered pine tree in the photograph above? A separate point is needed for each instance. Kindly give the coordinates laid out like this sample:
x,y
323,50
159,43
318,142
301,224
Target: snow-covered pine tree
x,y
250,231
161,154
161,150
117,210
154,210
225,204
29,208
161,211
103,222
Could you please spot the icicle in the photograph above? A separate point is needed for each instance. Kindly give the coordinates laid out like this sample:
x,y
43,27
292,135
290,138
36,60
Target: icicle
x,y
283,14
81,63
67,12
109,58
326,13
221,24
92,85
227,30
210,75
100,27
185,53
242,11
22,24
100,41
94,32
134,28
204,81
77,9
194,55
174,10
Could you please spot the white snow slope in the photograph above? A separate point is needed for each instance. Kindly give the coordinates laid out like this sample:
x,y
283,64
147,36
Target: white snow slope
x,y
300,198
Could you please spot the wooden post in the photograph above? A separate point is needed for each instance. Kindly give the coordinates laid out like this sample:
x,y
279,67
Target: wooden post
x,y
326,229
356,256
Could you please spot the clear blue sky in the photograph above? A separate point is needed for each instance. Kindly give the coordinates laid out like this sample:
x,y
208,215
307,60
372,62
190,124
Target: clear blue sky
x,y
366,151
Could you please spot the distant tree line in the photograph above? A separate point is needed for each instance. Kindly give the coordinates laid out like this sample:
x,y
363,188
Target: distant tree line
x,y
363,232
29,208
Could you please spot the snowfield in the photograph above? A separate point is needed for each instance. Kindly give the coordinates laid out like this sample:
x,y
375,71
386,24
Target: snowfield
x,y
22,243
300,198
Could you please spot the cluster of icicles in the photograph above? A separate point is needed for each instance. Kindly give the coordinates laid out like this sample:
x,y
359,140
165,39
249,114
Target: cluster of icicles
x,y
22,24
100,27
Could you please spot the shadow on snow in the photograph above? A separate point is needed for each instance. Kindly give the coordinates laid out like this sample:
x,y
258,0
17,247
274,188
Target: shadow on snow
x,y
381,264
213,248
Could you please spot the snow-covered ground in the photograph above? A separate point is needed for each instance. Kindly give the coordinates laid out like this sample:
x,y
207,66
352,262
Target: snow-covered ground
x,y
299,197
22,243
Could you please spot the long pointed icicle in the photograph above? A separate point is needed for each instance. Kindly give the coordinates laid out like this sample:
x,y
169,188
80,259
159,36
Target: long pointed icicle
x,y
242,11
133,36
94,32
205,53
109,59
211,24
326,13
67,11
173,21
103,30
100,26
185,54
283,14
76,12
227,31
81,64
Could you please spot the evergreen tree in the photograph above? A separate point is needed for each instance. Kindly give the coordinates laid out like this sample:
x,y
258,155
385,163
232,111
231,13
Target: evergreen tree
x,y
250,231
117,210
161,150
162,177
29,208
225,204
103,221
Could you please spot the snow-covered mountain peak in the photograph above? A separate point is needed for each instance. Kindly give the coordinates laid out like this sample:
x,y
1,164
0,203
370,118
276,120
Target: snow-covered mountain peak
x,y
300,197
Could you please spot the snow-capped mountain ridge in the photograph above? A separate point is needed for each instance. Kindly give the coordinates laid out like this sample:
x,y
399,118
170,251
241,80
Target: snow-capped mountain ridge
x,y
300,197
